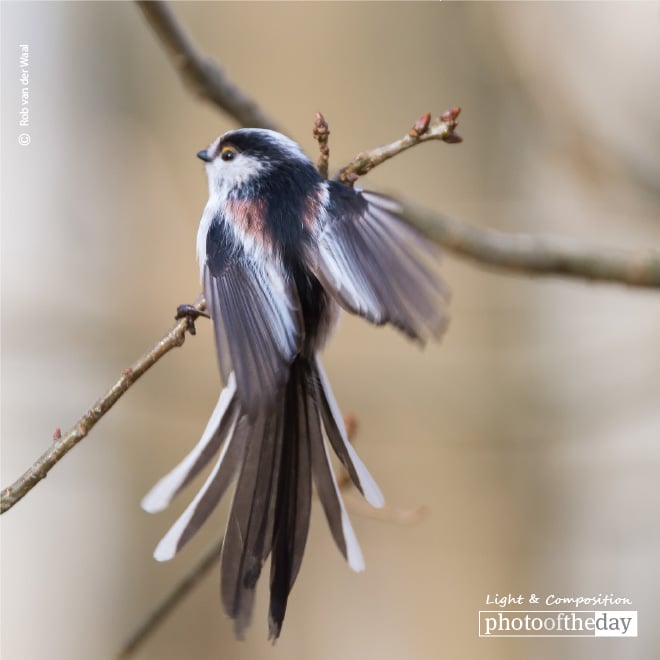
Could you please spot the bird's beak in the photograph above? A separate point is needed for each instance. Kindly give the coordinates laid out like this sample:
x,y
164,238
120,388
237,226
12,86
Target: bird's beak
x,y
204,155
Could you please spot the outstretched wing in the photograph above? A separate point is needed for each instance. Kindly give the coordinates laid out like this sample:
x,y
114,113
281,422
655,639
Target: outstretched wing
x,y
256,317
375,265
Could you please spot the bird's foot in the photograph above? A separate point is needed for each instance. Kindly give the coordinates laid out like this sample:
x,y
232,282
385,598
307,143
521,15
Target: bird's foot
x,y
191,314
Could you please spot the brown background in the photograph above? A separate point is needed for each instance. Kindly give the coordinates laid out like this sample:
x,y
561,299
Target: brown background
x,y
531,433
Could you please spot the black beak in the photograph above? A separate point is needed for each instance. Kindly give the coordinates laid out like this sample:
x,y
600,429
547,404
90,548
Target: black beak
x,y
204,155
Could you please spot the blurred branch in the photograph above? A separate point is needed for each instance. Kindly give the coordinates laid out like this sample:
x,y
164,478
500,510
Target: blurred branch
x,y
395,515
189,581
359,506
203,75
62,444
536,255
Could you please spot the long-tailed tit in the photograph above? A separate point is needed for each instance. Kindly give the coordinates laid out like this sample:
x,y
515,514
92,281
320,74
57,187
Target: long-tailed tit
x,y
281,251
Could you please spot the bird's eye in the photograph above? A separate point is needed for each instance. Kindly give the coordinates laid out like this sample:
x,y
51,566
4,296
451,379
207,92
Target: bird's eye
x,y
228,153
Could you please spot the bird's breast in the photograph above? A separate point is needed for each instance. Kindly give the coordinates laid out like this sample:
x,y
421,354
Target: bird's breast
x,y
248,216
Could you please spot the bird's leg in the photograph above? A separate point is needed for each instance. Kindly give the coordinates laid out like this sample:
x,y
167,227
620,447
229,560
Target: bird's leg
x,y
191,314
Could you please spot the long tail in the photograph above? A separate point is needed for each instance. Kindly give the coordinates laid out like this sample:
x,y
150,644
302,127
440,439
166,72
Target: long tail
x,y
275,456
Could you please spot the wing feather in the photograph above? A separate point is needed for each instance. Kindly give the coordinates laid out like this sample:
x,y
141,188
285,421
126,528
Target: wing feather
x,y
375,265
257,318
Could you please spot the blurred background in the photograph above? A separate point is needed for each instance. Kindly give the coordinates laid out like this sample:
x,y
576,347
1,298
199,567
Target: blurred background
x,y
532,433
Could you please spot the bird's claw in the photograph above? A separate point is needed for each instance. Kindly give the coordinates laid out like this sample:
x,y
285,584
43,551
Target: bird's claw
x,y
191,314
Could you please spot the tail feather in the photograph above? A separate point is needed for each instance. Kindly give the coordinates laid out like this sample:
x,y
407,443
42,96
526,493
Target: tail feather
x,y
248,536
211,493
294,496
216,431
336,432
327,489
276,455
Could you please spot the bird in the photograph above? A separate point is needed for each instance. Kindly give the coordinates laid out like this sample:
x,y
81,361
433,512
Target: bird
x,y
282,252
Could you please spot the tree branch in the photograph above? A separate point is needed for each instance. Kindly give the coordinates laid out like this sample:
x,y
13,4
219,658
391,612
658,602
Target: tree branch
x,y
536,255
62,444
201,74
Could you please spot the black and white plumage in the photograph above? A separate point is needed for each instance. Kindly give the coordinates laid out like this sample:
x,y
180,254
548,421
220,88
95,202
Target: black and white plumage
x,y
281,250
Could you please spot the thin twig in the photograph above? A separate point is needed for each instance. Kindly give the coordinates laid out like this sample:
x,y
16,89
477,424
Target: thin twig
x,y
203,75
443,128
189,581
536,255
62,444
321,134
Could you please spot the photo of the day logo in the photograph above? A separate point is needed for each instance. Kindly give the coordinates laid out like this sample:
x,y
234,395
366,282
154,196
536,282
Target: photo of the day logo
x,y
557,622
551,623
